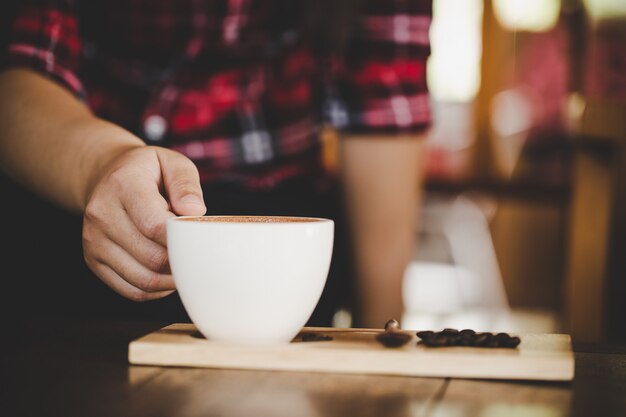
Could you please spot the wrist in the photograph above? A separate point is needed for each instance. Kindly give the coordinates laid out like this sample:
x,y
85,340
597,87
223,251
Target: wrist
x,y
101,143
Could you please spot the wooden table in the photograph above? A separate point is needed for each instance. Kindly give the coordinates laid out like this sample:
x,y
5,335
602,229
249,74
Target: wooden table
x,y
79,368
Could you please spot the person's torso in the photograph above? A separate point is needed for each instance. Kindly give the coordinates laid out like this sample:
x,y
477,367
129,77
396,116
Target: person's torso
x,y
232,84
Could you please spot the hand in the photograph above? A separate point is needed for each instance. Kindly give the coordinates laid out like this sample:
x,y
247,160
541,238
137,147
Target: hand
x,y
124,221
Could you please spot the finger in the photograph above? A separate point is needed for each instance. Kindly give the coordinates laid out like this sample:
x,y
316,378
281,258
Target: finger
x,y
126,235
129,269
144,237
146,208
182,184
122,287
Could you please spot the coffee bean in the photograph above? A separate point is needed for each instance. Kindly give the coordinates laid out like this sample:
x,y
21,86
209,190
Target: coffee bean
x,y
467,333
513,342
438,340
393,339
465,342
482,339
492,342
392,325
425,334
502,339
467,337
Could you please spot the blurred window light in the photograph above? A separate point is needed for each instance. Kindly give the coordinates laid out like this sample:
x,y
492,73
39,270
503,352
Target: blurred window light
x,y
527,15
511,112
455,35
602,9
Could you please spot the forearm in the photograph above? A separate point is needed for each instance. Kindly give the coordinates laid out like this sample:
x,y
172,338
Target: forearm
x,y
382,178
50,141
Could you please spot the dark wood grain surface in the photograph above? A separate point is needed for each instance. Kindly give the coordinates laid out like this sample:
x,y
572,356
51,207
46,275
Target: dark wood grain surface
x,y
79,368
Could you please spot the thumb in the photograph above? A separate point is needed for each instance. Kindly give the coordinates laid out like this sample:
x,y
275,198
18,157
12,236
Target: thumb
x,y
182,183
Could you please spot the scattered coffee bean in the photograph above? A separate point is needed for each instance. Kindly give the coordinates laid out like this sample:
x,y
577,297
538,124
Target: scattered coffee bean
x,y
392,325
513,342
393,338
467,337
493,342
425,334
502,338
315,337
441,339
481,339
467,333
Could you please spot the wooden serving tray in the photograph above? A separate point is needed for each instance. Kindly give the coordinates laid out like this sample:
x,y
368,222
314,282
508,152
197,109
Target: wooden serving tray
x,y
546,357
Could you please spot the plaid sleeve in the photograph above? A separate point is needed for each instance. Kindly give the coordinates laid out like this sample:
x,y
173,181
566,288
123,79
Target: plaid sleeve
x,y
44,37
382,87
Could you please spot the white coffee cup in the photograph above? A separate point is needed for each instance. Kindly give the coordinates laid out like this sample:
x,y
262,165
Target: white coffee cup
x,y
249,279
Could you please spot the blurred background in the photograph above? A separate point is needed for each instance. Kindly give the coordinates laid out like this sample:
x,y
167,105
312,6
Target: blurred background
x,y
522,226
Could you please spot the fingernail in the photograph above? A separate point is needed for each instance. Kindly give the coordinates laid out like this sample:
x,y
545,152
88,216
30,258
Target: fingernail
x,y
192,199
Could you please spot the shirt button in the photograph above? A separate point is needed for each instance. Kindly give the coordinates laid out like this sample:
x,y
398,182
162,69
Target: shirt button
x,y
154,127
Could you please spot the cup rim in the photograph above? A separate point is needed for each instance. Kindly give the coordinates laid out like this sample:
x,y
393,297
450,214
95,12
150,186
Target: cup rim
x,y
302,220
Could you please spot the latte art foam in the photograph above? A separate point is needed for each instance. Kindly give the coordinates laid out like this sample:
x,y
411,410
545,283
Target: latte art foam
x,y
251,219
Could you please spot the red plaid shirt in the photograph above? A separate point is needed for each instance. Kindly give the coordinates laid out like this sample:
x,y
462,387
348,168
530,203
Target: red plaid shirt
x,y
232,84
